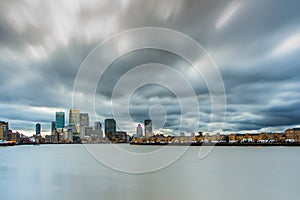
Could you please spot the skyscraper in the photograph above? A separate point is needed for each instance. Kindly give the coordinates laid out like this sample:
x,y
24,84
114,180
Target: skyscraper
x,y
110,126
53,127
148,127
74,119
38,128
3,130
139,130
84,119
84,123
98,129
59,120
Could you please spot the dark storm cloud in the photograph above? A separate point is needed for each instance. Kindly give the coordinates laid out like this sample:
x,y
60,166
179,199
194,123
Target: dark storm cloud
x,y
139,57
8,36
44,82
44,43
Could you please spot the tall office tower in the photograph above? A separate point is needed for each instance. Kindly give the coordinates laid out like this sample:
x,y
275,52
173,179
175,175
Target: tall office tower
x,y
148,127
3,130
110,126
98,129
59,120
38,129
139,130
74,119
53,127
84,123
84,119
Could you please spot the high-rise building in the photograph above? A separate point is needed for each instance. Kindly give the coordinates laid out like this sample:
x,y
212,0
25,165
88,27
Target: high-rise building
x,y
59,120
3,130
84,123
74,119
139,130
98,129
148,127
38,128
84,119
53,127
110,126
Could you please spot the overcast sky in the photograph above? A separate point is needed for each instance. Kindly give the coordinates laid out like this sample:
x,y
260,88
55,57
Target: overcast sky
x,y
254,43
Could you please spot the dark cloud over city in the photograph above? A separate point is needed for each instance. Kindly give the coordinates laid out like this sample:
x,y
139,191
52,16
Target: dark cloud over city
x,y
255,45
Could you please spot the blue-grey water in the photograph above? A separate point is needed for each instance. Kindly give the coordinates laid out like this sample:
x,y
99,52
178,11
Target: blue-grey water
x,y
70,172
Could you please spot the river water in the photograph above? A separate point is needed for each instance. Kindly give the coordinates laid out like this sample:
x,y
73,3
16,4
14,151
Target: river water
x,y
70,172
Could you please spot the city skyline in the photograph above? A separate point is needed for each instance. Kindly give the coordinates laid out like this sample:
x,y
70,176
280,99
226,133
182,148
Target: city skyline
x,y
153,99
43,46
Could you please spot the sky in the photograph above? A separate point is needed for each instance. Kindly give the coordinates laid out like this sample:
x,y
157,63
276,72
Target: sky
x,y
254,44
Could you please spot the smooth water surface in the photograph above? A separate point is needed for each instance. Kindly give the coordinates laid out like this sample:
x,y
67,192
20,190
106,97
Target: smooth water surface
x,y
70,172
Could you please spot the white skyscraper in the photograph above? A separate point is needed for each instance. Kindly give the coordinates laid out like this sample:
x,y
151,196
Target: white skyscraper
x,y
139,130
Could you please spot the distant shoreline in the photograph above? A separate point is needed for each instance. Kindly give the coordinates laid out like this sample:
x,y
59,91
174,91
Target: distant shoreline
x,y
219,144
178,144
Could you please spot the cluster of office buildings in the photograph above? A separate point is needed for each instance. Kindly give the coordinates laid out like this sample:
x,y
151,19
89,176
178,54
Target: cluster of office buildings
x,y
79,130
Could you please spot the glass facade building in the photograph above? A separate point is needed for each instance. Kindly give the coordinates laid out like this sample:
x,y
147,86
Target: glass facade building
x,y
38,129
59,120
148,127
110,126
53,127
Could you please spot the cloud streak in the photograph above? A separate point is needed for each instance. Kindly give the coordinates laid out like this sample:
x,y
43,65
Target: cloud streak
x,y
288,45
229,12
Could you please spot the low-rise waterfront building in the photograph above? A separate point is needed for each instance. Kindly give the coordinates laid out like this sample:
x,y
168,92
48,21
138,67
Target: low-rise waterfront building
x,y
49,138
